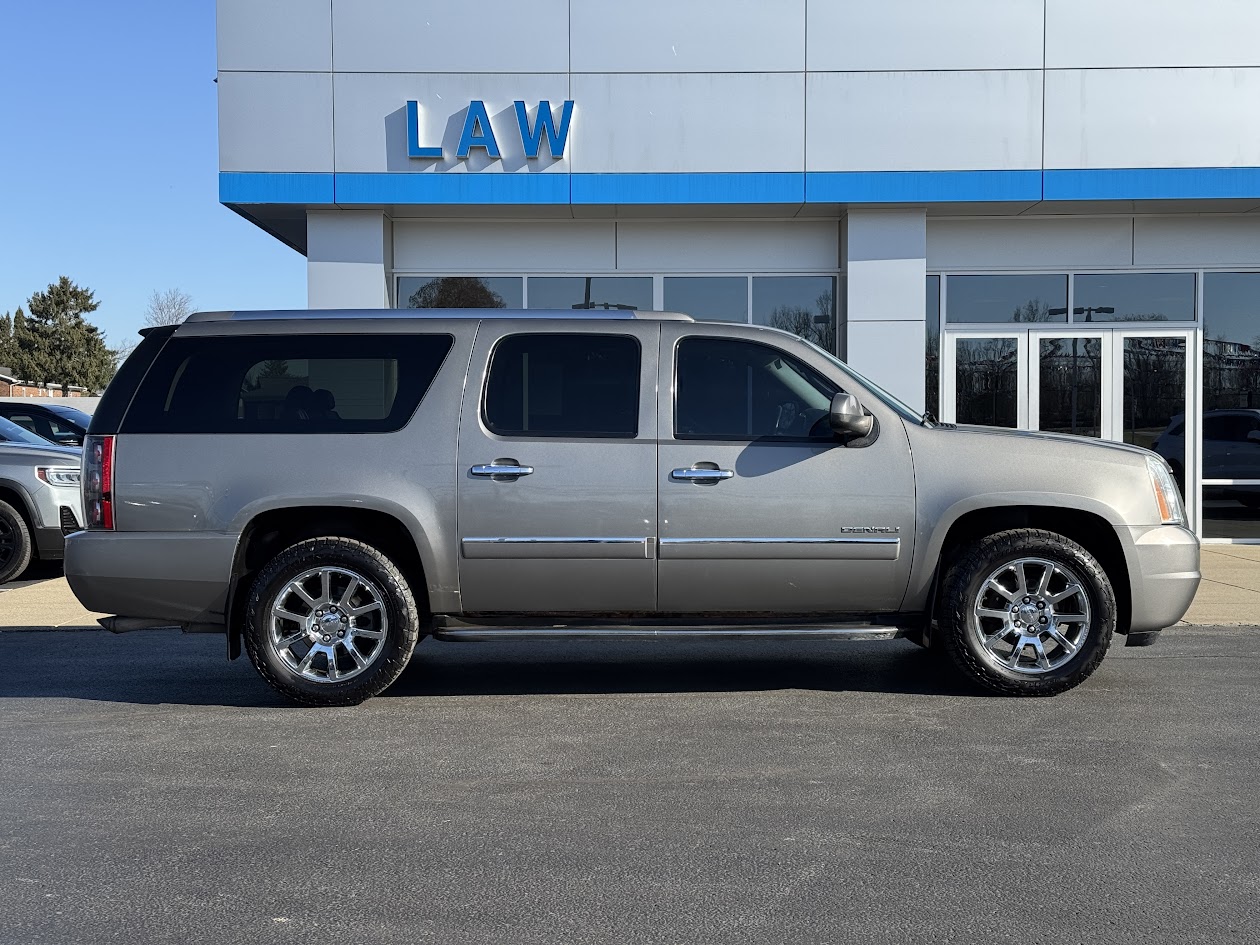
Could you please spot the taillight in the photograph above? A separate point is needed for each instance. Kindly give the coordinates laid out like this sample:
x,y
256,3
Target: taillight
x,y
98,482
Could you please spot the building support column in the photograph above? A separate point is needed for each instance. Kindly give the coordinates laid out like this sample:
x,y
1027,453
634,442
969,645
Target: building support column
x,y
885,268
349,259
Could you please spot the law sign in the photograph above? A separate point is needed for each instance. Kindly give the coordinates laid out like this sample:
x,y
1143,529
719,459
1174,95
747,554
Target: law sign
x,y
478,132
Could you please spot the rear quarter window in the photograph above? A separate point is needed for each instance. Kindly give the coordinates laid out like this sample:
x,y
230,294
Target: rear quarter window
x,y
287,384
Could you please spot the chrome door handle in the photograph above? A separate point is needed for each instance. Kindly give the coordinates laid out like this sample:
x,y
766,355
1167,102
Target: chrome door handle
x,y
695,474
495,470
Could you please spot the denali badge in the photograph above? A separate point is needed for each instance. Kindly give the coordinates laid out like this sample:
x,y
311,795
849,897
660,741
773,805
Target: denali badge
x,y
869,529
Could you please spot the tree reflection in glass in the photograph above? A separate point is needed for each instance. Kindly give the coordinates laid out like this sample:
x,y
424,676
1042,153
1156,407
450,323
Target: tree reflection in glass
x,y
987,381
456,292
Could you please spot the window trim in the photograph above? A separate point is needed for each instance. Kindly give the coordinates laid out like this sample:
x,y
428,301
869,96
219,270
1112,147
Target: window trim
x,y
533,435
828,440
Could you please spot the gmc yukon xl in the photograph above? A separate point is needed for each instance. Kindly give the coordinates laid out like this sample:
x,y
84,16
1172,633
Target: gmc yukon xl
x,y
329,487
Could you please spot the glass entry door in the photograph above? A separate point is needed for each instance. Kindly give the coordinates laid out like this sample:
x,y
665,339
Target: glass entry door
x,y
1070,386
1106,383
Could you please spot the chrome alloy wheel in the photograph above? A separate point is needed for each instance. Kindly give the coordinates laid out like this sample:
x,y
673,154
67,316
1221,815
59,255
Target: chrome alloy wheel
x,y
1031,616
328,624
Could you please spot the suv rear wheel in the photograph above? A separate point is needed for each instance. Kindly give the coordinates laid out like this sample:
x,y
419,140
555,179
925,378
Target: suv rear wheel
x,y
332,621
1027,612
15,543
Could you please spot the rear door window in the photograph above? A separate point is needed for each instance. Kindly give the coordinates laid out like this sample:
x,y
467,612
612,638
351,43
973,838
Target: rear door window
x,y
287,384
569,385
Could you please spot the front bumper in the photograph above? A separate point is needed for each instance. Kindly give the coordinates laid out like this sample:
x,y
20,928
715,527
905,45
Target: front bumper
x,y
181,577
1163,574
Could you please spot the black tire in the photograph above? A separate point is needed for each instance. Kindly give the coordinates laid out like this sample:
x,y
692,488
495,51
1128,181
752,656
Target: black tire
x,y
15,543
961,637
387,659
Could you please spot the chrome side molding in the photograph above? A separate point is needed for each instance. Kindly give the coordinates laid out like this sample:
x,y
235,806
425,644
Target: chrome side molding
x,y
557,547
864,548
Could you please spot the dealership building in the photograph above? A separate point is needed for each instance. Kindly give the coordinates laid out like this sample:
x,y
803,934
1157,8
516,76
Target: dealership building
x,y
1041,214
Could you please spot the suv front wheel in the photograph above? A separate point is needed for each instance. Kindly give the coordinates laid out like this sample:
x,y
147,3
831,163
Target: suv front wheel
x,y
331,621
15,543
1027,612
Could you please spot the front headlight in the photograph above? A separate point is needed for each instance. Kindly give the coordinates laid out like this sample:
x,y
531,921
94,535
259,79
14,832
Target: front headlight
x,y
59,475
1167,498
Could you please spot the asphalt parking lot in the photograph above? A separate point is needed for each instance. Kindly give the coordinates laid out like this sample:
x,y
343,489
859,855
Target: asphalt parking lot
x,y
586,793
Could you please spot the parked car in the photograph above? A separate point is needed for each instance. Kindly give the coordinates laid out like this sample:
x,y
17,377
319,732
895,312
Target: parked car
x,y
329,487
39,498
57,423
1231,450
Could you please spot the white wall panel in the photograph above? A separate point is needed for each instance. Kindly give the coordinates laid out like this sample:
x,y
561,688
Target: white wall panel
x,y
345,285
896,121
1152,118
691,36
487,36
276,36
457,247
371,119
891,355
675,122
1029,243
857,35
347,236
885,265
1110,33
1197,241
734,246
347,259
275,121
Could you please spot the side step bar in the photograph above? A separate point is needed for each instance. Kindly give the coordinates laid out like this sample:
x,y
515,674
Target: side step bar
x,y
487,634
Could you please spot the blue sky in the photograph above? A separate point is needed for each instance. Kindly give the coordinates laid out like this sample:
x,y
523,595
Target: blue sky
x,y
109,163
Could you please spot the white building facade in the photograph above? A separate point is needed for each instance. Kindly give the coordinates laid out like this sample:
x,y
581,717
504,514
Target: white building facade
x,y
1041,214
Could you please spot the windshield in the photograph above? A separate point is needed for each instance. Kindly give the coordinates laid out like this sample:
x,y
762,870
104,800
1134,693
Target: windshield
x,y
10,432
73,414
906,412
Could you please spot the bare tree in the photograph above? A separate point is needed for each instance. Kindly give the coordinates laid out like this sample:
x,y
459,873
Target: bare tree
x,y
167,308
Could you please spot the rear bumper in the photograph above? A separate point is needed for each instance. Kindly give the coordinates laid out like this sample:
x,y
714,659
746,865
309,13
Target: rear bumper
x,y
180,577
1163,574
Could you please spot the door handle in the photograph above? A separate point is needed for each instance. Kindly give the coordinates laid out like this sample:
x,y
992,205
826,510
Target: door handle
x,y
501,471
698,474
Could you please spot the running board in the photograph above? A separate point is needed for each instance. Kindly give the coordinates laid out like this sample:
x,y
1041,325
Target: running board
x,y
465,633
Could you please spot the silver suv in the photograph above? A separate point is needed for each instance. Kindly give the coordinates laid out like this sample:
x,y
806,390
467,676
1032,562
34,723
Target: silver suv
x,y
330,486
39,498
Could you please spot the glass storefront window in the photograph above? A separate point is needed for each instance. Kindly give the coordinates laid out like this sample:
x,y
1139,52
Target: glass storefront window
x,y
987,381
594,292
1231,340
1231,404
720,298
459,292
1133,297
1034,298
932,378
1231,512
803,305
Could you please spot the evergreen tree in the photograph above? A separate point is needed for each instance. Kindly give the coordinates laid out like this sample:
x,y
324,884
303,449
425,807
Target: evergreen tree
x,y
6,342
24,347
63,345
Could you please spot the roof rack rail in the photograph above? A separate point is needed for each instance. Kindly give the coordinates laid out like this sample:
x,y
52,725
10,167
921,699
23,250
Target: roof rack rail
x,y
611,314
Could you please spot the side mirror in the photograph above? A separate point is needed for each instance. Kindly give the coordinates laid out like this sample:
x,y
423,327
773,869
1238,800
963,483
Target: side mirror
x,y
1254,436
847,418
